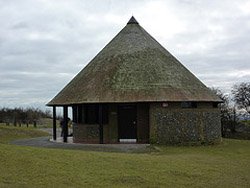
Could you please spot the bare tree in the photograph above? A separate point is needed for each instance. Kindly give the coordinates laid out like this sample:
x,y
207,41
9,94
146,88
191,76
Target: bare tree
x,y
229,116
19,116
241,96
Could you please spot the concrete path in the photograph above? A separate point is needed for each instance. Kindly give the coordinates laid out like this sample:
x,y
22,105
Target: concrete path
x,y
46,142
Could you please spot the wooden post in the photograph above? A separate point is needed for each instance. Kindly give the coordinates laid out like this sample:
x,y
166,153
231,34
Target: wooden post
x,y
54,122
65,125
74,119
74,114
100,124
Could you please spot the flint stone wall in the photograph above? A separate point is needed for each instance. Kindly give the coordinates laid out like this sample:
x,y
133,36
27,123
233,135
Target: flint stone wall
x,y
176,125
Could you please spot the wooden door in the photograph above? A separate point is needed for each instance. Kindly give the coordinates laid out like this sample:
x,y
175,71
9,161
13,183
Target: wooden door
x,y
127,122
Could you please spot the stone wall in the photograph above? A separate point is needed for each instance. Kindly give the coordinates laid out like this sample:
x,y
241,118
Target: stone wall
x,y
175,125
83,133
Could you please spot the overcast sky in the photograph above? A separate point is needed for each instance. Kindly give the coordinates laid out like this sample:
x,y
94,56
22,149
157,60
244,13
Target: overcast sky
x,y
45,43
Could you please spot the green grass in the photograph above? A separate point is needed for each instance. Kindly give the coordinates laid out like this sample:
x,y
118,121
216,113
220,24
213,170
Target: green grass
x,y
246,122
224,165
8,133
47,123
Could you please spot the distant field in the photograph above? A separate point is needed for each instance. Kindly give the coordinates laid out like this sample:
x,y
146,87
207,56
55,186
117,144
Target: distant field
x,y
42,123
224,165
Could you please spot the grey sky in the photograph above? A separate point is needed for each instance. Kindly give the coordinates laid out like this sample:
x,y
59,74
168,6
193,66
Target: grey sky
x,y
45,43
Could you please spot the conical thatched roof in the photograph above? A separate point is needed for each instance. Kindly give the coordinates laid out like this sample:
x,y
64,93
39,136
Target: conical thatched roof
x,y
133,67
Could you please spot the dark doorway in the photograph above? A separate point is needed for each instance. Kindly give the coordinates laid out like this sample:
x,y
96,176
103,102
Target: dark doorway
x,y
127,122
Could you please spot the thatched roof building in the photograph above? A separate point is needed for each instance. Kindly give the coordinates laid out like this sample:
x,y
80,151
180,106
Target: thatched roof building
x,y
133,69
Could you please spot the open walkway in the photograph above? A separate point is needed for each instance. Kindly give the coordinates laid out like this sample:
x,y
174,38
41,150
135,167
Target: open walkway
x,y
47,142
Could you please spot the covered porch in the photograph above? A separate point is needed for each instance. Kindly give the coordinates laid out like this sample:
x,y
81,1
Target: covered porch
x,y
105,123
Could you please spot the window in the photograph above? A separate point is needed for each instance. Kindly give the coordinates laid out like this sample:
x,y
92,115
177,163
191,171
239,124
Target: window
x,y
89,114
189,104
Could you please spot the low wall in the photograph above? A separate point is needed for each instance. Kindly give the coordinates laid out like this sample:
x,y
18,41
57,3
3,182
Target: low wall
x,y
83,133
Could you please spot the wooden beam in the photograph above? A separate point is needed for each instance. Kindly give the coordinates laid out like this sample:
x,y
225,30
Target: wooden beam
x,y
65,124
54,122
100,124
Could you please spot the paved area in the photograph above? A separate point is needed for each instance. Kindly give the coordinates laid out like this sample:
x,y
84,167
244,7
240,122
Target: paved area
x,y
50,131
47,142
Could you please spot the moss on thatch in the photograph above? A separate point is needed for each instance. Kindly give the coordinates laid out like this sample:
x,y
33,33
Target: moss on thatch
x,y
133,67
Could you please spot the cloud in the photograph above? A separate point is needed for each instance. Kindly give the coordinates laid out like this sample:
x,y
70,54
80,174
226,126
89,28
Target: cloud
x,y
44,44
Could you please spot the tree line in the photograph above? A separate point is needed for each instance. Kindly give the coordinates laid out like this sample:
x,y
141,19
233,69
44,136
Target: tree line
x,y
235,106
18,116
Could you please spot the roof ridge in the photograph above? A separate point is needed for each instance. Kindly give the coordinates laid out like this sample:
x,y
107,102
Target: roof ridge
x,y
132,20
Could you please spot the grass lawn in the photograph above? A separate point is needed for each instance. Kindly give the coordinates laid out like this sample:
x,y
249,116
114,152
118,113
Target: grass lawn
x,y
8,133
224,165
